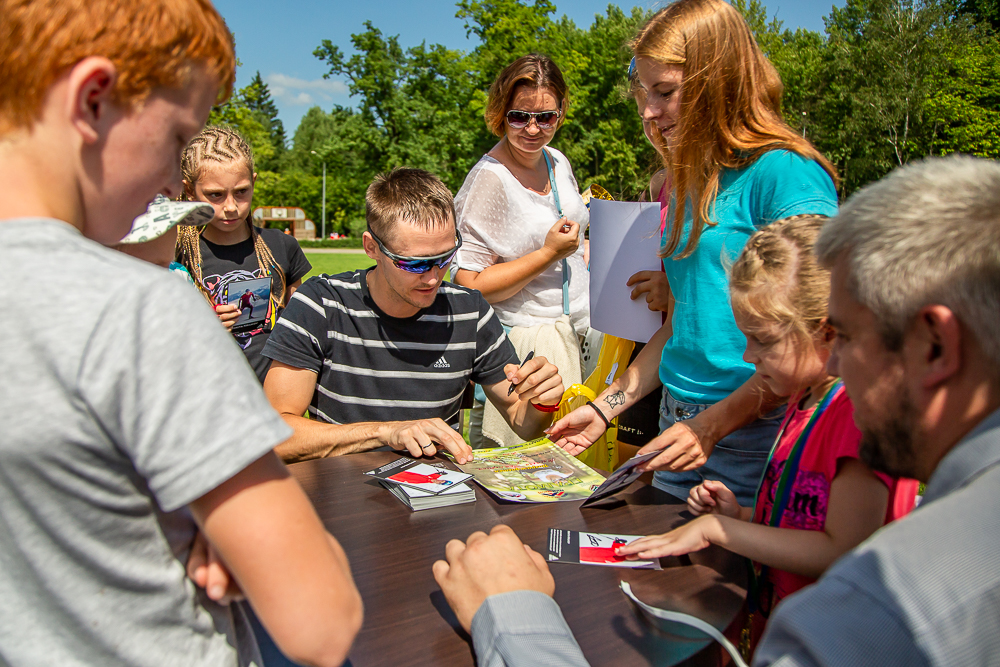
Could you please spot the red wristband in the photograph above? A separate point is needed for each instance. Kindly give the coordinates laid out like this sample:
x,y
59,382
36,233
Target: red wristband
x,y
546,408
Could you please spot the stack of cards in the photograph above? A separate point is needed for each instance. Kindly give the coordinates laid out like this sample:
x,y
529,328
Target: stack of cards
x,y
424,486
570,546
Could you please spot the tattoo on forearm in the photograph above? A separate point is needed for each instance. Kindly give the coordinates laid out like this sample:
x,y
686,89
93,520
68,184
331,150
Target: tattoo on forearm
x,y
615,399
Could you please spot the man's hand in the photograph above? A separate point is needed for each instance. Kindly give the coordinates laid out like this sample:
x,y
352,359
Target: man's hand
x,y
228,314
489,565
686,445
692,536
714,497
424,436
206,569
577,430
537,381
655,286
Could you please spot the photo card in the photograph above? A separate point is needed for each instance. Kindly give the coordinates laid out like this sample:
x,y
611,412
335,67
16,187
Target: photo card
x,y
419,475
252,297
619,479
571,546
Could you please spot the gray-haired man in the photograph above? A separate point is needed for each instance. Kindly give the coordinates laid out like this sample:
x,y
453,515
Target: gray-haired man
x,y
915,302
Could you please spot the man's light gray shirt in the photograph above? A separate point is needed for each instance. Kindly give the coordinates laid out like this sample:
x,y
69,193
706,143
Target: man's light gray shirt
x,y
924,590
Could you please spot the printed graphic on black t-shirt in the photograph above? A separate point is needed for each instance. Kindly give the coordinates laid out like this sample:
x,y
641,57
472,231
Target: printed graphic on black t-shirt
x,y
223,266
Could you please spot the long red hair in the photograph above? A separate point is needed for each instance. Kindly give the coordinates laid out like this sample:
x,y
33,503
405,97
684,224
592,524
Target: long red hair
x,y
730,111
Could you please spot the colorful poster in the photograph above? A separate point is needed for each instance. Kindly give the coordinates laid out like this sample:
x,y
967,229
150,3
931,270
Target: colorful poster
x,y
533,472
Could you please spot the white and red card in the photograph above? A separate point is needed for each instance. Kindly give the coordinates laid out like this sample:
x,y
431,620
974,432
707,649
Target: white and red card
x,y
571,546
419,475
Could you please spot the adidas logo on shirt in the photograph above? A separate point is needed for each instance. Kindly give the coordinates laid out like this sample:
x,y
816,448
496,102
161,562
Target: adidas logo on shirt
x,y
441,363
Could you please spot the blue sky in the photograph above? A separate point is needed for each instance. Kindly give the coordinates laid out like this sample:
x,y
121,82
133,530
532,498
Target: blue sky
x,y
278,38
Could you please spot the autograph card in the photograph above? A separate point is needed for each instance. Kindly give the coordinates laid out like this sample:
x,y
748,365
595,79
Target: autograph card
x,y
419,475
619,479
570,546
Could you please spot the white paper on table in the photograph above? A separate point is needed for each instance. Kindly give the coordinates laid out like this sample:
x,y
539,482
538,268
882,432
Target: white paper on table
x,y
624,239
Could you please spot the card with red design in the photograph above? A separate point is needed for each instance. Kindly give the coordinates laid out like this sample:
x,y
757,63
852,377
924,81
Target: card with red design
x,y
571,546
419,475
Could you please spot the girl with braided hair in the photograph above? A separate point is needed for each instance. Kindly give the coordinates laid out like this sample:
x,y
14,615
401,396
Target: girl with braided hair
x,y
816,500
218,168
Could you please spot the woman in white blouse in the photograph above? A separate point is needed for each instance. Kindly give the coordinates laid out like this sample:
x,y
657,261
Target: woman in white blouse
x,y
520,211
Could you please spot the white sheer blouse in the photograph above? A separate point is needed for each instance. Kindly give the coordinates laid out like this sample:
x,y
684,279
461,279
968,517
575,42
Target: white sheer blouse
x,y
501,221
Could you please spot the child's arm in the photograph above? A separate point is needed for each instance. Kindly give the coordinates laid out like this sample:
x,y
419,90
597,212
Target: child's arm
x,y
714,497
295,575
857,505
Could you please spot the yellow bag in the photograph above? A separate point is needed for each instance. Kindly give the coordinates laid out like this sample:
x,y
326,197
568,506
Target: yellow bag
x,y
612,362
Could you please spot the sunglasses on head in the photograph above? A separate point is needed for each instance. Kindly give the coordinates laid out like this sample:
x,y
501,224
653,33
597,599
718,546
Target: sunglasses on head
x,y
419,264
544,119
632,73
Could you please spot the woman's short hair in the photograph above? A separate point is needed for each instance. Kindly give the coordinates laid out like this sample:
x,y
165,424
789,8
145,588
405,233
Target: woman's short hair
x,y
533,70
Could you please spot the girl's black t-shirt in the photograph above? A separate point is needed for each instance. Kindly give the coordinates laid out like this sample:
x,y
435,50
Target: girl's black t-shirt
x,y
222,265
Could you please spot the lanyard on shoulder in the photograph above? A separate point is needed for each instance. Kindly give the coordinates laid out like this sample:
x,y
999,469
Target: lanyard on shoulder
x,y
565,264
783,490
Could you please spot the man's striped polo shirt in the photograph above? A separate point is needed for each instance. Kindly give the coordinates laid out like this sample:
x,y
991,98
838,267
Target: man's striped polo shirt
x,y
373,367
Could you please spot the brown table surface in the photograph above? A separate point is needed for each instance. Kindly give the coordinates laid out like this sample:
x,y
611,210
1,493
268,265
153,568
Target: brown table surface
x,y
408,621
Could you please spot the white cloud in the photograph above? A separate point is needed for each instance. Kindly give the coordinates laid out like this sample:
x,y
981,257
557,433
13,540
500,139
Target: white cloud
x,y
299,92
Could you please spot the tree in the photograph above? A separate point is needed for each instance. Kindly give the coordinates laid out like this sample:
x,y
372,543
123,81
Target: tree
x,y
257,97
986,12
413,104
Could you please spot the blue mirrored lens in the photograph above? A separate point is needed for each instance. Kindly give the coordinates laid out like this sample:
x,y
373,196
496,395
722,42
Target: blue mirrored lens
x,y
424,265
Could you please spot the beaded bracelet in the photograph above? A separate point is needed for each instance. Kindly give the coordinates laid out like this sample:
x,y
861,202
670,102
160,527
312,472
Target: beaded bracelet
x,y
607,422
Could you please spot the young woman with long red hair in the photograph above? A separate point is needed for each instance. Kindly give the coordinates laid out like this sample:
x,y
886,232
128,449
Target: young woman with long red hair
x,y
713,103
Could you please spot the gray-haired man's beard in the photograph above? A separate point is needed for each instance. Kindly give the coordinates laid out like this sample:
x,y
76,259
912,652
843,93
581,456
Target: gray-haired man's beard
x,y
889,447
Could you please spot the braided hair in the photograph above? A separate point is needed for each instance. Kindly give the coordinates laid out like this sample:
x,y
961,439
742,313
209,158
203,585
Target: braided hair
x,y
220,145
777,278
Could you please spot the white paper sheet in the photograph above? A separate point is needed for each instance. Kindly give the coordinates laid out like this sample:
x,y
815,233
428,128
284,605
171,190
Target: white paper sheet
x,y
624,239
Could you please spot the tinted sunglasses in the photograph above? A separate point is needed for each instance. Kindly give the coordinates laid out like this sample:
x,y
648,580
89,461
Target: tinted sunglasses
x,y
544,119
419,264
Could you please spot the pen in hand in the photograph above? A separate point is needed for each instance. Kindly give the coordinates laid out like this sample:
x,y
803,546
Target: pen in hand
x,y
526,360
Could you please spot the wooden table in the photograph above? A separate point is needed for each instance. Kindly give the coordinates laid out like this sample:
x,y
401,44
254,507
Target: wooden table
x,y
408,621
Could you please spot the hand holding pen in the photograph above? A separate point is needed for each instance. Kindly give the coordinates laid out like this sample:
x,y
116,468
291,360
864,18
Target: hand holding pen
x,y
536,381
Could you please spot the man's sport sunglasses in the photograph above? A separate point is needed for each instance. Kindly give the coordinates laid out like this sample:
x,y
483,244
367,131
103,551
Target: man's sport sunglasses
x,y
419,264
545,119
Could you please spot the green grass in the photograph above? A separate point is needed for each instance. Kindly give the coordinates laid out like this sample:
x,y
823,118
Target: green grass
x,y
336,263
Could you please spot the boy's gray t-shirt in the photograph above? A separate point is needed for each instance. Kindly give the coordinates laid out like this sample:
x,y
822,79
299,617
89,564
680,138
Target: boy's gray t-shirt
x,y
122,400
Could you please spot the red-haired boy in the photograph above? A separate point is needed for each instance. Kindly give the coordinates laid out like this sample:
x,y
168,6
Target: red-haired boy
x,y
125,426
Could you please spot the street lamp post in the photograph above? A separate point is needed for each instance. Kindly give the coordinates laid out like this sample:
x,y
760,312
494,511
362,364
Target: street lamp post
x,y
323,228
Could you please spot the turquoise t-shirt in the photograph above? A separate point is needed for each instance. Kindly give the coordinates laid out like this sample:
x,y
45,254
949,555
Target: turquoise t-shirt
x,y
703,360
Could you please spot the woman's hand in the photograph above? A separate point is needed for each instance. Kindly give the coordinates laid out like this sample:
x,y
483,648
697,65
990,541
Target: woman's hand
x,y
577,430
655,286
228,314
692,536
714,497
563,239
685,446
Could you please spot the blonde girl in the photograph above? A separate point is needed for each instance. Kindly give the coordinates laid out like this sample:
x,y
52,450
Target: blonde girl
x,y
816,500
712,104
218,168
